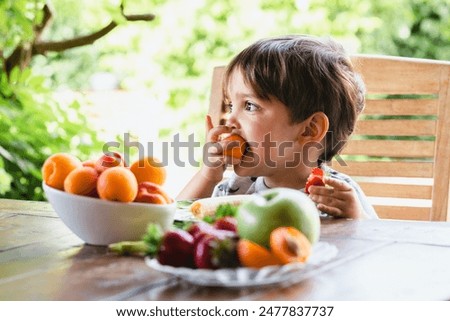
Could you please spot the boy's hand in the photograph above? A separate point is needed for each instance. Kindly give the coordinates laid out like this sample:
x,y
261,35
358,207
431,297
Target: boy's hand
x,y
213,158
337,199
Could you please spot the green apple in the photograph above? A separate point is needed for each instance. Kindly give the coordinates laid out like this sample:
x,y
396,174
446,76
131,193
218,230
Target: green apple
x,y
265,211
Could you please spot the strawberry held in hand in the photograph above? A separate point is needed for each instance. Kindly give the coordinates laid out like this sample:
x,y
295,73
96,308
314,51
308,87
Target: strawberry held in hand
x,y
315,178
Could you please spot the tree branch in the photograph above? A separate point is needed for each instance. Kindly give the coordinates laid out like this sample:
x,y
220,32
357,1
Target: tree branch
x,y
45,21
21,56
57,46
44,46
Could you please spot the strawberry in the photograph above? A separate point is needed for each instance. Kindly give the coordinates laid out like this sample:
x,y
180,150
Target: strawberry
x,y
201,229
227,223
315,178
213,252
176,249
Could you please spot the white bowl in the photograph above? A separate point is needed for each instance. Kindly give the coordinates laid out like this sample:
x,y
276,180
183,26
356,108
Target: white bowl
x,y
101,222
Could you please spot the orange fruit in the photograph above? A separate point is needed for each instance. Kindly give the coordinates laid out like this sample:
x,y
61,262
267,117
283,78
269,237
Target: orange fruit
x,y
253,255
108,160
89,163
56,168
117,184
149,169
149,192
235,146
289,245
82,181
152,198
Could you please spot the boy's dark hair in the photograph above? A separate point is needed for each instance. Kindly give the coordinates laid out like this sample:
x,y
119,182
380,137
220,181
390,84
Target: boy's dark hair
x,y
308,75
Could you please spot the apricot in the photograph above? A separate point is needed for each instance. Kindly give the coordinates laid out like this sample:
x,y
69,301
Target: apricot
x,y
56,168
89,163
149,169
149,192
108,160
152,198
235,146
82,181
253,255
289,245
117,184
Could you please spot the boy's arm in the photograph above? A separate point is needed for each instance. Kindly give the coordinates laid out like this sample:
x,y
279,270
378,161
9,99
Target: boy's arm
x,y
201,185
204,181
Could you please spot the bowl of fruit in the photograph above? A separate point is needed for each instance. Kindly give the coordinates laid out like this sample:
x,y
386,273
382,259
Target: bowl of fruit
x,y
104,201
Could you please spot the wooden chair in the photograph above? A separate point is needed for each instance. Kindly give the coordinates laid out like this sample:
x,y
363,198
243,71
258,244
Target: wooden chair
x,y
400,151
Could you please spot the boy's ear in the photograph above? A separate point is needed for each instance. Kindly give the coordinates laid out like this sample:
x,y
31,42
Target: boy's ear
x,y
315,127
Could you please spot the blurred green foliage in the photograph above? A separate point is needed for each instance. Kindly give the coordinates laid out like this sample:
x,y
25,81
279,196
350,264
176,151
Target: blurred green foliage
x,y
172,59
33,124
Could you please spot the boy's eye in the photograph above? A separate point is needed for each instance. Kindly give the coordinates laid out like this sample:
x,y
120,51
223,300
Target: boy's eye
x,y
249,106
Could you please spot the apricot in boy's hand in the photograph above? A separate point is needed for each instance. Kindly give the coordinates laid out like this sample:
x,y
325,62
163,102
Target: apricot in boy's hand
x,y
235,146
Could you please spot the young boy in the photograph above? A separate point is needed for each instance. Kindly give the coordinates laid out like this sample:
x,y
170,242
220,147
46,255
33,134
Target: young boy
x,y
295,100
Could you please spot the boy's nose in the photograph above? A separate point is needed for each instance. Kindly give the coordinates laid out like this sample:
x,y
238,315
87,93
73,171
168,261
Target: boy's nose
x,y
231,121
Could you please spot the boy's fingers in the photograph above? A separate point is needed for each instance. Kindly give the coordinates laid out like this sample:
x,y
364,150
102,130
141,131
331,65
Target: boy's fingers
x,y
321,190
337,184
215,132
333,211
209,123
327,200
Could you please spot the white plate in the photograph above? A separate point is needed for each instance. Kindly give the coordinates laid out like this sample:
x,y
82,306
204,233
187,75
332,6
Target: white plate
x,y
246,277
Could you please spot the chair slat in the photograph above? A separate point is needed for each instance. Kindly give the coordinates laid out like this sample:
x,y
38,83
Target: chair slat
x,y
385,169
403,212
441,188
396,127
216,96
396,190
396,107
390,148
420,77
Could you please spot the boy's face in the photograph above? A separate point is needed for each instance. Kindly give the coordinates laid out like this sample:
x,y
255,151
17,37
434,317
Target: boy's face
x,y
265,124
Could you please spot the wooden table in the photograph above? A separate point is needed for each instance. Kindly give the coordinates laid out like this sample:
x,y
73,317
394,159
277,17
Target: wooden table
x,y
41,259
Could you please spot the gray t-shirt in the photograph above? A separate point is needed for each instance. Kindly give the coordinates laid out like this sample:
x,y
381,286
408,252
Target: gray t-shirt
x,y
236,185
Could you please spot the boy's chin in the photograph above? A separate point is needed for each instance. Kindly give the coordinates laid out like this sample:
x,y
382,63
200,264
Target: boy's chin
x,y
245,170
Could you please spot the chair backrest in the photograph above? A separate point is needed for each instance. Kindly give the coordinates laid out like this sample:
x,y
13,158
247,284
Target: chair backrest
x,y
400,151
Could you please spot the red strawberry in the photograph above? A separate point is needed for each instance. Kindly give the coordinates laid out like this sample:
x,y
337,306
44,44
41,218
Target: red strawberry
x,y
177,249
213,252
227,223
315,178
200,230
203,253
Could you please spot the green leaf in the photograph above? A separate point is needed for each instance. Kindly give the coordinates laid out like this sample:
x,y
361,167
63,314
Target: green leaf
x,y
153,238
222,211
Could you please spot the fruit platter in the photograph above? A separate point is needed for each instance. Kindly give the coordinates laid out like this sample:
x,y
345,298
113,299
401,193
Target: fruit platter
x,y
268,238
241,277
